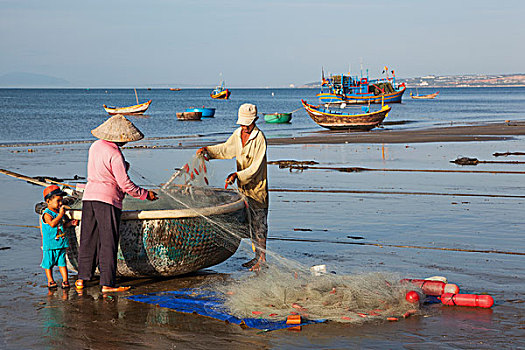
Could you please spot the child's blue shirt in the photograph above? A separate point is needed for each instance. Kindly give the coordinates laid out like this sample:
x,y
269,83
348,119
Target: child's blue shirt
x,y
49,234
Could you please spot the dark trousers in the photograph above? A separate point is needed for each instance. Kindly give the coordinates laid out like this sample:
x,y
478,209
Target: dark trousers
x,y
99,236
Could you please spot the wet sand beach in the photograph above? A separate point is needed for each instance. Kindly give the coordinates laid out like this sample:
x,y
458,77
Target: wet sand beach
x,y
310,227
464,133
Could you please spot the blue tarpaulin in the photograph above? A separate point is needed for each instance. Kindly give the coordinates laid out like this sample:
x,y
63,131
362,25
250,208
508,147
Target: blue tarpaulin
x,y
209,304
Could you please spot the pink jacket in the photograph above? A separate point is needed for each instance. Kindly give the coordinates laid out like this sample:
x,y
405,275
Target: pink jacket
x,y
108,180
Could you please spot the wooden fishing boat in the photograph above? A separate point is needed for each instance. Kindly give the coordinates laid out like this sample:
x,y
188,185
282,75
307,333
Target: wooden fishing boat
x,y
206,112
173,242
277,118
360,90
220,92
339,119
189,116
175,89
424,97
130,110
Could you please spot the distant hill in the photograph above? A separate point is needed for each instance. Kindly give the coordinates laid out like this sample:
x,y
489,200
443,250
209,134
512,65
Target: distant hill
x,y
472,80
23,79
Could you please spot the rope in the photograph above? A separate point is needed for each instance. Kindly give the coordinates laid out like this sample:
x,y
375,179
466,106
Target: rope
x,y
380,245
296,110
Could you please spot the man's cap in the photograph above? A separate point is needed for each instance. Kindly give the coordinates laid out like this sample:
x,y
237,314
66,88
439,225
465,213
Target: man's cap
x,y
247,114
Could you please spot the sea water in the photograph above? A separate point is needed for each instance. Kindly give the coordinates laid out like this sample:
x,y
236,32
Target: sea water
x,y
45,115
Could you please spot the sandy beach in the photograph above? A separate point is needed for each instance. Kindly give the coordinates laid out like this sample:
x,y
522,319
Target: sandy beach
x,y
465,133
310,228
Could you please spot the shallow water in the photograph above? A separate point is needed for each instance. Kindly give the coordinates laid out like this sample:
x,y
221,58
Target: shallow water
x,y
30,318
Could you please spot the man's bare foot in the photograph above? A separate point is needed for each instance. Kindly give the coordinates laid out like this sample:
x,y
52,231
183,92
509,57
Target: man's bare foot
x,y
106,289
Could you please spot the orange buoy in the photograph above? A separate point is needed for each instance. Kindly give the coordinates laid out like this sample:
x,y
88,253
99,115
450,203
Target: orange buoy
x,y
412,297
485,301
436,288
293,319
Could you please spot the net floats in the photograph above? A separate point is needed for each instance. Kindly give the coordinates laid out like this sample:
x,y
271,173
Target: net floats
x,y
412,297
484,301
448,293
431,287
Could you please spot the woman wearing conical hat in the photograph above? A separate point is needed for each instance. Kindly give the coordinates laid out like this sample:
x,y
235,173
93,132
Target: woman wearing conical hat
x,y
107,184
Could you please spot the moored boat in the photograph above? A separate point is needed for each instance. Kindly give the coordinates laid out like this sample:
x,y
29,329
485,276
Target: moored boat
x,y
220,92
206,112
130,110
424,97
189,116
173,242
360,90
339,119
277,118
175,89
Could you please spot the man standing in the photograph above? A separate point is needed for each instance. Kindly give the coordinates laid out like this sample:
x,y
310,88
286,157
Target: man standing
x,y
247,145
108,182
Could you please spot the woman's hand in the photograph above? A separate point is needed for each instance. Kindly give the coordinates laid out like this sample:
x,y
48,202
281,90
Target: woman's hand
x,y
152,196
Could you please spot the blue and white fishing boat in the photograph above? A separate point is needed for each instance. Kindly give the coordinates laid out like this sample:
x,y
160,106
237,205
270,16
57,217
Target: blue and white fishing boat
x,y
360,90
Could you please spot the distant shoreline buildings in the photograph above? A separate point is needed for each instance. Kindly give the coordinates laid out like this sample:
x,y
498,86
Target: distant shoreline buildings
x,y
468,80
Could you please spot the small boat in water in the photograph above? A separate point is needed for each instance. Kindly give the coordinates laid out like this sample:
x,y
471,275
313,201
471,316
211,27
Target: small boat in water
x,y
220,92
341,120
130,110
277,118
189,116
206,112
424,97
175,89
139,108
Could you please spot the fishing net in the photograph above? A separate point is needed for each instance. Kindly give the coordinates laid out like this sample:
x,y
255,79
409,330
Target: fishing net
x,y
279,291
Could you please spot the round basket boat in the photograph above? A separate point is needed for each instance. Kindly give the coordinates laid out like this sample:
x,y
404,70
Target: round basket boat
x,y
171,242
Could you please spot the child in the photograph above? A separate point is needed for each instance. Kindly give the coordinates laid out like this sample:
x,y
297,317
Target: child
x,y
54,242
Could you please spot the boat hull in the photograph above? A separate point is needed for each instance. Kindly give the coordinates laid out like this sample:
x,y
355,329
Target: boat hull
x,y
223,95
130,110
189,116
366,98
277,118
342,121
425,97
164,243
206,112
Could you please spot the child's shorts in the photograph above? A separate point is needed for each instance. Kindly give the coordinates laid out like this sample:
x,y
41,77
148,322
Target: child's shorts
x,y
53,257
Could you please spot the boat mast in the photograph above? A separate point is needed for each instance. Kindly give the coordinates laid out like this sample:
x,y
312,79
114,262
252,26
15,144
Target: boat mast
x,y
136,96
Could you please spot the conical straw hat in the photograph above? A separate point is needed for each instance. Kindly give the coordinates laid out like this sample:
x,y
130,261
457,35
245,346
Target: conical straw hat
x,y
117,129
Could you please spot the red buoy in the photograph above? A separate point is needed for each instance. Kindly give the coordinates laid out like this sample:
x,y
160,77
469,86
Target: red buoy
x,y
434,287
485,301
412,297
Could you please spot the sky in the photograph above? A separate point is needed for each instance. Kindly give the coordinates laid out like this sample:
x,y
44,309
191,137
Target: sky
x,y
256,43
